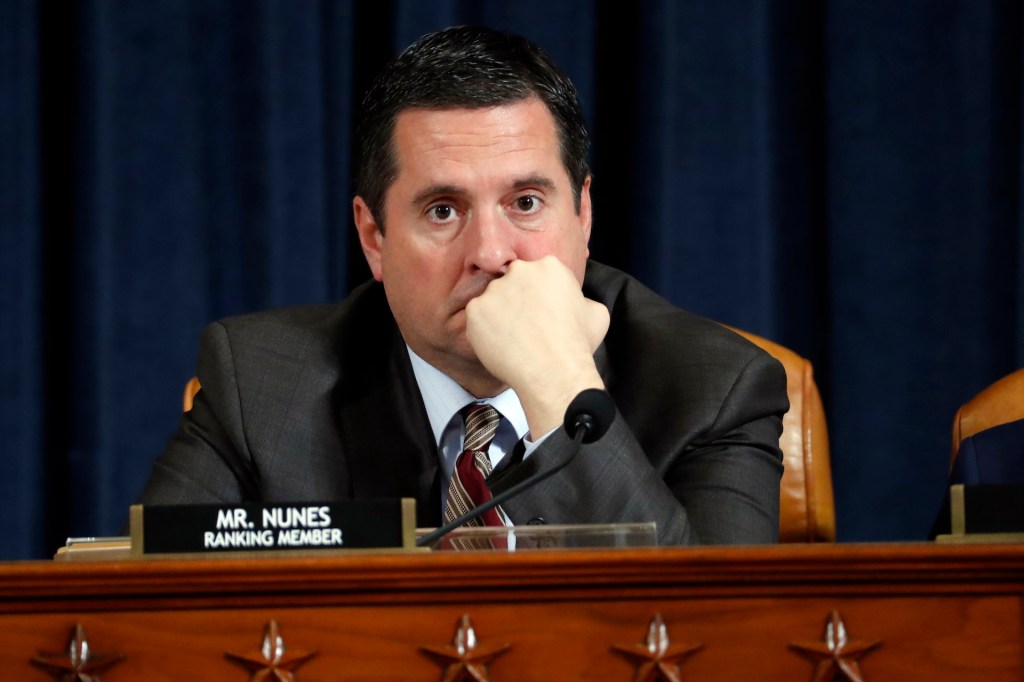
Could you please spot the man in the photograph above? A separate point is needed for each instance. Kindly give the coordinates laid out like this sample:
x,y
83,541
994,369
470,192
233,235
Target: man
x,y
474,214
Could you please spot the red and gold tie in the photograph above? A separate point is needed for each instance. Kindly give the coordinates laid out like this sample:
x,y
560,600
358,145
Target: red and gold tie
x,y
468,488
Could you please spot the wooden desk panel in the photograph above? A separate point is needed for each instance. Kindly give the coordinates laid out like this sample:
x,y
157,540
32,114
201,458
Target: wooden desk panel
x,y
941,613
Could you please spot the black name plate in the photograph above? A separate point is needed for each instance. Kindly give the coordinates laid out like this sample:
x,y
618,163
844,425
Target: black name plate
x,y
988,508
282,526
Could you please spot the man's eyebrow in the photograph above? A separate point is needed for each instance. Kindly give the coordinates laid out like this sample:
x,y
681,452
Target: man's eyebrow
x,y
436,191
541,181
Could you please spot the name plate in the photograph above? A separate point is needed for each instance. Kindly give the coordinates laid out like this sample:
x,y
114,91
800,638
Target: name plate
x,y
276,527
980,509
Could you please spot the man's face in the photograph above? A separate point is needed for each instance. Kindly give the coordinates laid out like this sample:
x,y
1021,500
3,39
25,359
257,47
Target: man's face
x,y
476,189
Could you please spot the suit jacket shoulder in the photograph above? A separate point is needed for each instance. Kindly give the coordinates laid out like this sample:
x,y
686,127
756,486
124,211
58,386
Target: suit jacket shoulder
x,y
290,409
658,358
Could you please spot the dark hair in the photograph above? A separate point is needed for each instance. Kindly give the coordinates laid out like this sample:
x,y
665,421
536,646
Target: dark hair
x,y
465,67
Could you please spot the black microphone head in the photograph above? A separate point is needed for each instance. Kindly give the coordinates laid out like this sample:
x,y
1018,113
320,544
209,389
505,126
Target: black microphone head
x,y
592,410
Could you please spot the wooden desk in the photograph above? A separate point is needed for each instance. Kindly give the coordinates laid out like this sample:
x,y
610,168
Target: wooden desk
x,y
938,613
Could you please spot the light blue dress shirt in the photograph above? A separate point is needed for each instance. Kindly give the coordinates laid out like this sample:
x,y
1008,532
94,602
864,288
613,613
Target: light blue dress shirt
x,y
444,399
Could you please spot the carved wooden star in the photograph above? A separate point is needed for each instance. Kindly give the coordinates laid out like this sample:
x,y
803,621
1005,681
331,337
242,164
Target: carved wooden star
x,y
658,657
836,655
465,658
79,664
272,663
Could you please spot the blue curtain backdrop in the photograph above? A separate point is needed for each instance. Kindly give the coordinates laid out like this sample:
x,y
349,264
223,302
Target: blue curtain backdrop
x,y
841,176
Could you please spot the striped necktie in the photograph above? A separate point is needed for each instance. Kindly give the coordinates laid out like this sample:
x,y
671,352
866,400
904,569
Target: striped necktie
x,y
467,487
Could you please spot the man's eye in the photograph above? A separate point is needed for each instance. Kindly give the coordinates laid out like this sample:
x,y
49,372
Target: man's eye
x,y
441,212
528,203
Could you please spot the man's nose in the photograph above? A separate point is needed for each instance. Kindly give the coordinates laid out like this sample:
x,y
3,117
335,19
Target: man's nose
x,y
490,243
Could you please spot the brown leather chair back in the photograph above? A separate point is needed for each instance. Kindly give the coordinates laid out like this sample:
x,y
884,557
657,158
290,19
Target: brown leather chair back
x,y
191,388
806,506
1000,403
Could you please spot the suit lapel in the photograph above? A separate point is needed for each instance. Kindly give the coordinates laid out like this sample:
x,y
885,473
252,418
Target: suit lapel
x,y
387,438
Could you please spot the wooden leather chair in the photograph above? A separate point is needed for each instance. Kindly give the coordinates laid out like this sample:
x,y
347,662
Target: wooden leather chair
x,y
1000,403
806,507
191,388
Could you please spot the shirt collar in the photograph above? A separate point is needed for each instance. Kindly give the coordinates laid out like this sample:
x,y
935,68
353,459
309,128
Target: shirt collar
x,y
443,397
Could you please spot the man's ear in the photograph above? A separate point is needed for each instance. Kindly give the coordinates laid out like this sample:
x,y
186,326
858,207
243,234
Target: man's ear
x,y
370,235
586,213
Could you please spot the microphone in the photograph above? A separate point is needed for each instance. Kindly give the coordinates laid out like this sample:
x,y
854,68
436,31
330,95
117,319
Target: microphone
x,y
588,417
591,411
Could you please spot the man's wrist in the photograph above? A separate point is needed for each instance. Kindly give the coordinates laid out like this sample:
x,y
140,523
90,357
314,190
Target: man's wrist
x,y
545,410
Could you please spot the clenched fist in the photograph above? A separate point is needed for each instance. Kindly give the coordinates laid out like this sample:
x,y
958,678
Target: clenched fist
x,y
533,329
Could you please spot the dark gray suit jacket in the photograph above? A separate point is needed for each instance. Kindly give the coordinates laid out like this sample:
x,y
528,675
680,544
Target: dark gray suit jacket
x,y
320,403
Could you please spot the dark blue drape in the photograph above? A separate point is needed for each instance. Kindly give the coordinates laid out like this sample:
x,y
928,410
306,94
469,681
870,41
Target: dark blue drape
x,y
843,177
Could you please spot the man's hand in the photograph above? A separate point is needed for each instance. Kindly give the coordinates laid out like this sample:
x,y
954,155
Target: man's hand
x,y
534,330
